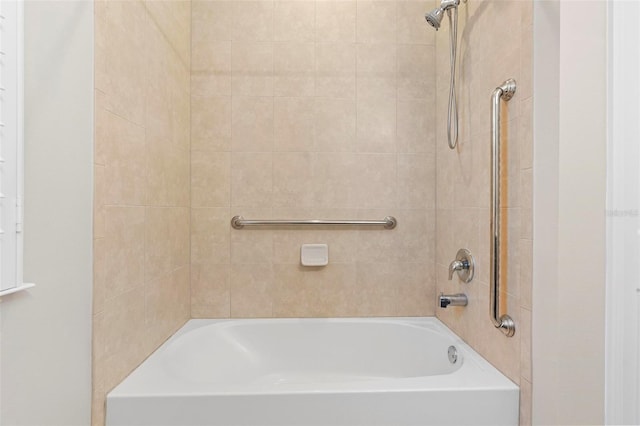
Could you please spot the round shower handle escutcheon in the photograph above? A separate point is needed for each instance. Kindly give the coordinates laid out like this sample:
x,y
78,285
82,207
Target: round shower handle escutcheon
x,y
464,265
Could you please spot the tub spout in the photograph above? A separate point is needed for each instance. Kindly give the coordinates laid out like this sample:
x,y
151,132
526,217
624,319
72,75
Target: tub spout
x,y
459,299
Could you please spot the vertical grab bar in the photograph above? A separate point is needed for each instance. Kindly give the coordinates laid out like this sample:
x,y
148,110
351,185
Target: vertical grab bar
x,y
505,322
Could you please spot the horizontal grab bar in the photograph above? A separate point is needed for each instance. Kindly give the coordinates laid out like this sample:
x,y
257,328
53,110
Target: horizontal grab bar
x,y
238,222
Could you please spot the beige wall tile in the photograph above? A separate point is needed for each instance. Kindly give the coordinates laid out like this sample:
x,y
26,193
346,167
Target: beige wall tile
x,y
335,180
294,179
118,366
210,179
121,56
375,181
166,240
465,233
416,289
376,126
336,21
167,118
251,290
444,237
99,201
526,196
405,244
510,167
411,28
120,327
166,92
394,289
294,124
526,273
477,181
252,126
211,124
336,70
510,247
125,162
100,129
315,291
98,406
376,21
376,72
416,181
334,125
525,80
377,286
294,20
210,297
251,179
211,21
484,243
167,176
99,275
253,20
167,303
413,81
211,68
252,66
173,19
252,246
525,133
294,68
210,236
415,127
124,250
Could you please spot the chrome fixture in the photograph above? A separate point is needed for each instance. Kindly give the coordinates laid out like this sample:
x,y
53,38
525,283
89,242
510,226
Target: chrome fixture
x,y
434,18
452,354
464,265
505,323
238,222
459,299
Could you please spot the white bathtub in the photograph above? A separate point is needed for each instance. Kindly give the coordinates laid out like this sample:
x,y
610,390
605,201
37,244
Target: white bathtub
x,y
301,372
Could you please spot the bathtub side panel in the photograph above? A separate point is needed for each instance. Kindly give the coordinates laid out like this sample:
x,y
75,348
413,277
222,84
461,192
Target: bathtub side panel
x,y
433,407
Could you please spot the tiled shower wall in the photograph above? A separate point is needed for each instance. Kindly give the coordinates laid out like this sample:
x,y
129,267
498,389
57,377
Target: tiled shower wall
x,y
142,152
312,109
300,109
495,43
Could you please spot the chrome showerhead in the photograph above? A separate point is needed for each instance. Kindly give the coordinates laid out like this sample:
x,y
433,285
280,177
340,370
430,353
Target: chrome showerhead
x,y
435,17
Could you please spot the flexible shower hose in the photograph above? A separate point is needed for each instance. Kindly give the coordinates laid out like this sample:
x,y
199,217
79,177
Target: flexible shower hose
x,y
452,113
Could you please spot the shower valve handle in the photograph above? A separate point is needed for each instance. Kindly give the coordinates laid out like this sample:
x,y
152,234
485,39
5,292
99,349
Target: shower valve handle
x,y
463,265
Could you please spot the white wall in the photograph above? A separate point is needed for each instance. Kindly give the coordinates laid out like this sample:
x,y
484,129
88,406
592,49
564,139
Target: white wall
x,y
569,211
46,332
623,219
